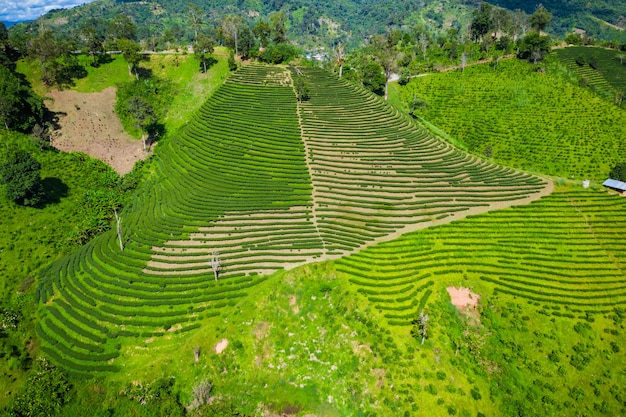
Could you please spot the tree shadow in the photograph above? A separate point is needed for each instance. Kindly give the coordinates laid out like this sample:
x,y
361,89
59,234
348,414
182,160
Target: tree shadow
x,y
210,61
144,73
54,190
155,131
101,59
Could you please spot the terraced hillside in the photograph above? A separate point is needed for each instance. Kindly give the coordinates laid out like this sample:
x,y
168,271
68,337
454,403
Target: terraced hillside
x,y
603,70
376,176
266,183
562,252
525,119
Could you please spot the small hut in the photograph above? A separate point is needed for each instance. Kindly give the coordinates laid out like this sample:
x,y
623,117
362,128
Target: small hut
x,y
616,185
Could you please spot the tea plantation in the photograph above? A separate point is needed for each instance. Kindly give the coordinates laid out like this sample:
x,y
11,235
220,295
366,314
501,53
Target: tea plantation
x,y
602,70
239,181
524,118
338,221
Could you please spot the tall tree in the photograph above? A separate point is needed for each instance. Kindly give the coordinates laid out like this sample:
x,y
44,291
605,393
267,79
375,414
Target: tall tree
x,y
230,25
302,90
482,21
262,31
533,47
195,18
540,19
45,49
130,50
203,49
121,27
94,42
386,54
340,57
9,96
246,41
216,264
4,36
423,43
278,21
143,114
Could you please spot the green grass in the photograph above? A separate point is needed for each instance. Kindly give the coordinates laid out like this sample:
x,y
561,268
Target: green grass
x,y
110,74
525,119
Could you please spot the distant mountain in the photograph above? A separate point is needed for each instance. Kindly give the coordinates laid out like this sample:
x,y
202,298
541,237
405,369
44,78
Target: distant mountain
x,y
9,24
312,23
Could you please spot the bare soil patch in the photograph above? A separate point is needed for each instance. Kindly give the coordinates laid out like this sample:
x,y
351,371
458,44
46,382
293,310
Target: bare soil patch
x,y
88,124
463,298
221,345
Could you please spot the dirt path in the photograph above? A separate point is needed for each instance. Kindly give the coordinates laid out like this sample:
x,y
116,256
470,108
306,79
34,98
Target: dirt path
x,y
89,124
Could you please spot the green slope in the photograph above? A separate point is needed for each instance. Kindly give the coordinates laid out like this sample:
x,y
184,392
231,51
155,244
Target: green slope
x,y
239,181
602,70
525,119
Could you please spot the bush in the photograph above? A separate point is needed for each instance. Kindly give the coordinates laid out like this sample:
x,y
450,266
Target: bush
x,y
619,172
21,176
45,392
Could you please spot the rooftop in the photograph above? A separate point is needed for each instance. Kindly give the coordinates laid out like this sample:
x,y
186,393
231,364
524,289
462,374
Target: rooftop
x,y
615,184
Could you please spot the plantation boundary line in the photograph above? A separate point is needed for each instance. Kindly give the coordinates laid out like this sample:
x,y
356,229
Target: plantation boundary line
x,y
307,159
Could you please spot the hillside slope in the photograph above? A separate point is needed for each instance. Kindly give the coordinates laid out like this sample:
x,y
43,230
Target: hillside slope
x,y
524,118
240,183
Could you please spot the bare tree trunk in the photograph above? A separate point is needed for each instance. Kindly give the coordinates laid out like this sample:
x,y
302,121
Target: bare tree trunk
x,y
386,88
143,140
119,229
340,70
204,64
215,264
196,353
236,43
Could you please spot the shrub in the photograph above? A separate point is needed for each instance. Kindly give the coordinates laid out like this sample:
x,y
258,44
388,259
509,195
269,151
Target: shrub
x,y
21,175
619,172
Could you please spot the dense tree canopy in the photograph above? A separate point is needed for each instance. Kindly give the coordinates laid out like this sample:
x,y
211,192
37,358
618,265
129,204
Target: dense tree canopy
x,y
20,174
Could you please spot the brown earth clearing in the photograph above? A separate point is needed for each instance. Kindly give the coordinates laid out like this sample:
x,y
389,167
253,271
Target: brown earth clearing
x,y
87,123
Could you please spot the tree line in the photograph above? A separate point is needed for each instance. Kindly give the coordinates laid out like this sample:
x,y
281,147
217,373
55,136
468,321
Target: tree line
x,y
492,34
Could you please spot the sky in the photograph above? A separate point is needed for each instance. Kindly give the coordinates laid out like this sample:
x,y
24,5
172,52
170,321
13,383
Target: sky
x,y
16,10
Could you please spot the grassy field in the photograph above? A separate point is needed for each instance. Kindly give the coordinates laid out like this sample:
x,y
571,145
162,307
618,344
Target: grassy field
x,y
525,119
190,87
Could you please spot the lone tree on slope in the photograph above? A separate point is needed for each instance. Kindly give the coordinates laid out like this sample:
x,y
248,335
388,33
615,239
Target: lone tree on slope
x,y
203,49
143,113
